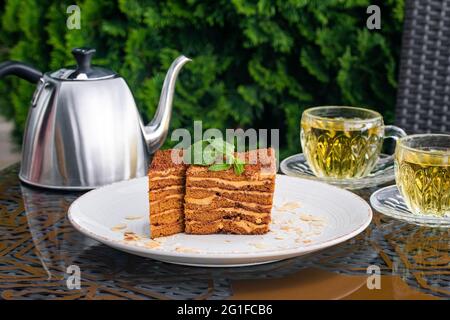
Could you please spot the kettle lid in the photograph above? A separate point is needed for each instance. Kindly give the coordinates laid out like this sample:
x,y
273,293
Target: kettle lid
x,y
83,70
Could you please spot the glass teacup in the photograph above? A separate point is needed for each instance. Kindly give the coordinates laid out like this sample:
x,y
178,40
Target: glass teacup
x,y
422,173
342,142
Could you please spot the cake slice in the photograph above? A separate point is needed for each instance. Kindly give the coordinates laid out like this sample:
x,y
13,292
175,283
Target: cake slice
x,y
223,202
166,178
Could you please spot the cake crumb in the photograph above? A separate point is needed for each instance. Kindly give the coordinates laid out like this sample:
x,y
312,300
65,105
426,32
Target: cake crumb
x,y
308,217
119,227
279,238
130,236
152,244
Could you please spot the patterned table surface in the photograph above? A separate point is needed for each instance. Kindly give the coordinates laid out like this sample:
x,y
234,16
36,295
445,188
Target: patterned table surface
x,y
38,244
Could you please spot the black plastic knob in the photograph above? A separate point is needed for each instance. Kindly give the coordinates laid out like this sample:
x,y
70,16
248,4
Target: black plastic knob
x,y
83,57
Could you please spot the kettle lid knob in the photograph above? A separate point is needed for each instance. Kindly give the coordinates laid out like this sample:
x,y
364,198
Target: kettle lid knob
x,y
83,56
84,70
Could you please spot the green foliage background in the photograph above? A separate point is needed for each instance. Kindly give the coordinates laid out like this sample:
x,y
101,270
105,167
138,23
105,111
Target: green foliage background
x,y
257,63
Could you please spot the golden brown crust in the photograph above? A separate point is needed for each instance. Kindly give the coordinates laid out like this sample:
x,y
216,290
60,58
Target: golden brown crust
x,y
166,230
167,159
166,192
170,216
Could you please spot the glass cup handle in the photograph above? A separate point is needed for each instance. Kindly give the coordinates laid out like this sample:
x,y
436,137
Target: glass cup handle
x,y
395,133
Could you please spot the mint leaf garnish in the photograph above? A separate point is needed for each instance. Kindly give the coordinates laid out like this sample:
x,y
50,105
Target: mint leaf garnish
x,y
238,168
208,152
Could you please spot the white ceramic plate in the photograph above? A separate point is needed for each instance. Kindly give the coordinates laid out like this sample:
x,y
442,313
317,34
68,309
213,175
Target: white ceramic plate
x,y
307,216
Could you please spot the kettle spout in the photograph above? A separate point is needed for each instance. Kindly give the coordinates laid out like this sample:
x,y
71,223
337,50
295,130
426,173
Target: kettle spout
x,y
156,131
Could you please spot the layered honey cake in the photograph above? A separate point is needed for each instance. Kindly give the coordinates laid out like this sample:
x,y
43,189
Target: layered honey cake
x,y
167,177
224,202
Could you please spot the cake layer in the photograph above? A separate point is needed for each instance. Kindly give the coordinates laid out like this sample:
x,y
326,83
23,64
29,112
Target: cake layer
x,y
167,217
167,203
223,213
214,201
225,226
265,185
155,176
261,198
164,193
166,229
165,183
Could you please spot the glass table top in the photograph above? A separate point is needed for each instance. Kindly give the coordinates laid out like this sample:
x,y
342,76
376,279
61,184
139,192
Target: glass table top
x,y
39,247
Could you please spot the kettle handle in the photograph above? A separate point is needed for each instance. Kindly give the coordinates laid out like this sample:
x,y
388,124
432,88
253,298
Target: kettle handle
x,y
21,70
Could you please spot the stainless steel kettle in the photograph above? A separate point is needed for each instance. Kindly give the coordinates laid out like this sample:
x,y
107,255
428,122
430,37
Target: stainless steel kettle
x,y
83,128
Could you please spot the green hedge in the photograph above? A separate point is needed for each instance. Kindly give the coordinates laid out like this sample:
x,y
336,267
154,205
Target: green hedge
x,y
256,63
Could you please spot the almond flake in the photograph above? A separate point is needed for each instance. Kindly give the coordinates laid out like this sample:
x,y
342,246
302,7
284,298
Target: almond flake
x,y
186,250
289,206
133,217
258,245
305,217
119,227
152,244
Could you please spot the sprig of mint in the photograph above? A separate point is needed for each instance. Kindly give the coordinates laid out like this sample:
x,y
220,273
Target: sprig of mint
x,y
208,152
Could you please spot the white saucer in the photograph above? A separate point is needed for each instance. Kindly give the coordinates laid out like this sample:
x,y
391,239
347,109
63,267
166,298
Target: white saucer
x,y
383,172
389,201
307,216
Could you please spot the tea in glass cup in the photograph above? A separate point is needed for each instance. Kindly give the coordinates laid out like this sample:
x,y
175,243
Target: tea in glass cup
x,y
344,142
422,173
